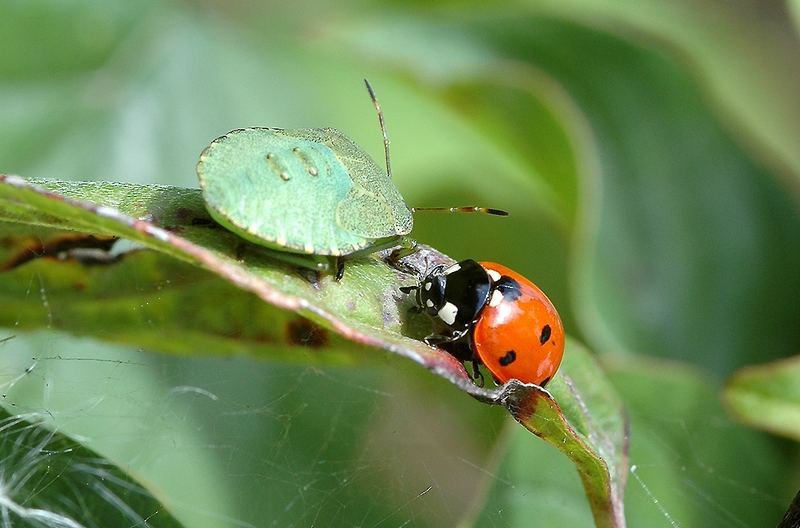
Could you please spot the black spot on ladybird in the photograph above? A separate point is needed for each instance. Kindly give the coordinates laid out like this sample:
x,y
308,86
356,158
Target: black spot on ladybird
x,y
305,333
545,335
509,288
508,359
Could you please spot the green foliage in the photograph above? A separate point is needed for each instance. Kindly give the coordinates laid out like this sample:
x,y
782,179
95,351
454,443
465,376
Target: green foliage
x,y
768,396
646,151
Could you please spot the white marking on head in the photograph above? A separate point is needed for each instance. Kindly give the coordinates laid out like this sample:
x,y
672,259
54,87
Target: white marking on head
x,y
429,303
494,275
428,286
452,269
448,313
497,298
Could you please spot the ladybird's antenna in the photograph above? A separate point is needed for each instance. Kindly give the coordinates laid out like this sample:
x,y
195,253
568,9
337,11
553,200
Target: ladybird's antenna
x,y
466,209
383,126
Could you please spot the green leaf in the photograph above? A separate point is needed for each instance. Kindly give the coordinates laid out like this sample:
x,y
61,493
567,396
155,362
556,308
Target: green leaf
x,y
690,464
767,396
49,479
363,308
92,297
590,427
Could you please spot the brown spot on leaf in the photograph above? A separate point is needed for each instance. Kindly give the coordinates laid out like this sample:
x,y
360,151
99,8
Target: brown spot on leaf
x,y
184,215
303,332
525,407
187,216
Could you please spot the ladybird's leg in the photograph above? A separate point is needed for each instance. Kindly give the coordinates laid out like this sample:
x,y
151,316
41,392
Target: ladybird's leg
x,y
409,290
458,334
436,340
477,375
440,339
459,349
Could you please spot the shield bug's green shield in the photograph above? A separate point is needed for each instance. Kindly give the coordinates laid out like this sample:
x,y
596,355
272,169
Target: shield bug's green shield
x,y
311,191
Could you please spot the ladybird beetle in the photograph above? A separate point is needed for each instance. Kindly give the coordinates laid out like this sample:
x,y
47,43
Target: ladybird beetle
x,y
495,316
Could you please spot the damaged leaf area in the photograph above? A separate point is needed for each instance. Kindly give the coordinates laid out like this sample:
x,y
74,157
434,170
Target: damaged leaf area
x,y
145,265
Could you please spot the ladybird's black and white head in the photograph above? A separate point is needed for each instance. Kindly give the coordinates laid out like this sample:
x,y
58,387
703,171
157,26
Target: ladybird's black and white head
x,y
454,295
431,291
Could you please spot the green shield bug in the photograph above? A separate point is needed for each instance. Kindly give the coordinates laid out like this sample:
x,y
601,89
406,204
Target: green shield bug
x,y
312,194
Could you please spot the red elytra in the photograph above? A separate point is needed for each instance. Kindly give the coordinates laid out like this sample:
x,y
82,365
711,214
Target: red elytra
x,y
520,338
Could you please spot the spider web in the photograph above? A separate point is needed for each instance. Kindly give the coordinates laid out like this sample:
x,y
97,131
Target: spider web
x,y
239,443
233,442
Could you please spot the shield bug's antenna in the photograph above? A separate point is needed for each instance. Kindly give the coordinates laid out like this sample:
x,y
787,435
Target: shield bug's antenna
x,y
383,126
466,209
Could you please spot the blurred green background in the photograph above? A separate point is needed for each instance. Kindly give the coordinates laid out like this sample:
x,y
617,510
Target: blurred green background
x,y
649,153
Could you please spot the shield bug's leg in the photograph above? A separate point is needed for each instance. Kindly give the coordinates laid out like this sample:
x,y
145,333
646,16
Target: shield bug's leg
x,y
406,246
312,276
240,250
339,266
